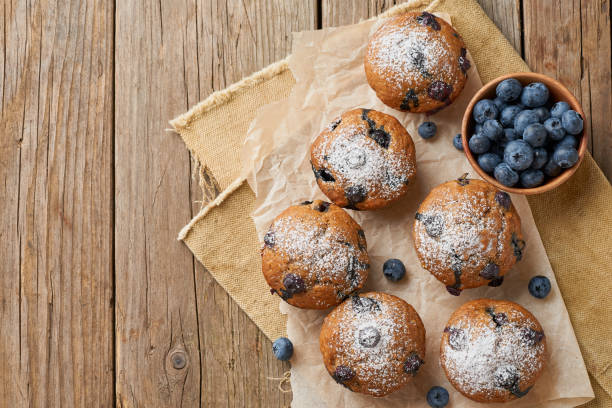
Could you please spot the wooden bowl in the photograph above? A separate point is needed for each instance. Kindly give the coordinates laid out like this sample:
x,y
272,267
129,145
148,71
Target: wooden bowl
x,y
558,92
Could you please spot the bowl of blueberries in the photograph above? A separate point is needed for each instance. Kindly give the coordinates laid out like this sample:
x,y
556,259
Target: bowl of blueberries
x,y
523,133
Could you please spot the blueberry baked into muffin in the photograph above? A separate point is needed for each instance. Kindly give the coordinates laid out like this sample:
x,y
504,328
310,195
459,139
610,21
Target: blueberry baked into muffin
x,y
373,343
314,255
493,350
416,62
468,234
364,160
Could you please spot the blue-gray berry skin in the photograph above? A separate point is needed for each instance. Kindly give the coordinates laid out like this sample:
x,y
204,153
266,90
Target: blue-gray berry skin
x,y
535,134
569,140
485,109
510,135
540,158
457,142
488,162
554,128
518,154
539,286
509,90
507,115
500,104
524,119
565,156
478,128
552,169
535,94
492,129
437,397
394,269
479,144
282,348
427,130
505,175
543,113
572,122
558,109
531,178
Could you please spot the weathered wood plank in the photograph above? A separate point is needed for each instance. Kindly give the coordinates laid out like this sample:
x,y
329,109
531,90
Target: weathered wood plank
x,y
340,12
234,40
158,356
570,40
507,16
56,342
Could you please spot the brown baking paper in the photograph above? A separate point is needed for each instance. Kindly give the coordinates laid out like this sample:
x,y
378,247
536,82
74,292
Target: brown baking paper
x,y
328,68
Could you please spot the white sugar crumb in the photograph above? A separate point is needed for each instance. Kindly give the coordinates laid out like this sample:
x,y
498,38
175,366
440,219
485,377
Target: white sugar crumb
x,y
323,252
358,160
492,355
463,224
408,54
377,366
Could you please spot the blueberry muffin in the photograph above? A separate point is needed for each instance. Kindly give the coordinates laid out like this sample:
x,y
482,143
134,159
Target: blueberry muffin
x,y
373,343
364,160
314,255
493,350
468,234
416,62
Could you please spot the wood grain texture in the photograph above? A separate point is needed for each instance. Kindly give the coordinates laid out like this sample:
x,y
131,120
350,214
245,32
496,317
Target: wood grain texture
x,y
506,14
235,39
570,40
56,341
341,12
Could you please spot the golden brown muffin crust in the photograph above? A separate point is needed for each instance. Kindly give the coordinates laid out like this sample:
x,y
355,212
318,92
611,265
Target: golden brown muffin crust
x,y
467,234
315,255
373,343
416,62
363,160
493,350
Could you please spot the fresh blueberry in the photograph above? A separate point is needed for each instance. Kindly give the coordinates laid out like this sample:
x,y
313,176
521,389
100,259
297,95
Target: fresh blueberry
x,y
531,178
543,113
540,157
427,130
437,397
558,109
394,269
539,286
485,109
500,104
518,154
488,161
282,348
478,128
523,119
498,148
510,135
492,129
457,142
552,169
505,175
572,122
506,117
554,128
535,134
565,156
479,144
535,94
568,140
509,89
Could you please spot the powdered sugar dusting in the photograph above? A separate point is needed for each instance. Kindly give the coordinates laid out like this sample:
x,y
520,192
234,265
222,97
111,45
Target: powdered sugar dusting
x,y
493,355
357,160
409,53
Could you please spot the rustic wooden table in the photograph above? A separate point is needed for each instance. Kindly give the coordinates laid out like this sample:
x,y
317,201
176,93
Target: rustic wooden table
x,y
99,304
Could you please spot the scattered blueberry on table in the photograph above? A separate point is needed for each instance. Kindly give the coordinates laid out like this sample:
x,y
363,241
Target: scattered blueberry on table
x,y
437,397
282,348
394,269
427,130
521,138
457,142
539,286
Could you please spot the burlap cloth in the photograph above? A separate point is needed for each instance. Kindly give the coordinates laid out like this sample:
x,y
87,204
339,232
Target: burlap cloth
x,y
573,220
